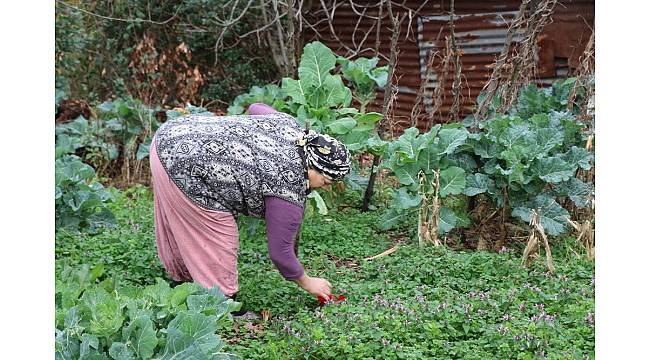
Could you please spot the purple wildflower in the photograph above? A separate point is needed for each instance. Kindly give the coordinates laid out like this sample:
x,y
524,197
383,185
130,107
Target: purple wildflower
x,y
522,306
506,317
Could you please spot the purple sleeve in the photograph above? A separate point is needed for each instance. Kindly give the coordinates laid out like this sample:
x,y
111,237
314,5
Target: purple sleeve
x,y
283,220
260,109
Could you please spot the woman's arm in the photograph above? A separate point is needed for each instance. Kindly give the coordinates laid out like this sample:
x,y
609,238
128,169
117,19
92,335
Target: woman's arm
x,y
260,109
283,220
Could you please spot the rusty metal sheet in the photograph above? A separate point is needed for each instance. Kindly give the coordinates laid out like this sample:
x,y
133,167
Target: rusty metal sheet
x,y
480,28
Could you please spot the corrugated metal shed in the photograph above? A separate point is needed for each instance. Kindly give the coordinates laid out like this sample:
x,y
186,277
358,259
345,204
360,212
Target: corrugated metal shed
x,y
480,28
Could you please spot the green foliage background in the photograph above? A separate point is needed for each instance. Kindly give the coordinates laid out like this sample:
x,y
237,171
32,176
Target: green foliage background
x,y
93,53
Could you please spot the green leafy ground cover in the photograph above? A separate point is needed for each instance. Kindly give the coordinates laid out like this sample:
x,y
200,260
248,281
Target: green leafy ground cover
x,y
414,303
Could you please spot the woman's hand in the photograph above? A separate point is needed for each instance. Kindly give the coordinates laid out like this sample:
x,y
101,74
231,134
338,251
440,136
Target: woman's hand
x,y
315,286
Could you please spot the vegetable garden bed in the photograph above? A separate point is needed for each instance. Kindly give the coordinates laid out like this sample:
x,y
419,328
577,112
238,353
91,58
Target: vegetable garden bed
x,y
413,303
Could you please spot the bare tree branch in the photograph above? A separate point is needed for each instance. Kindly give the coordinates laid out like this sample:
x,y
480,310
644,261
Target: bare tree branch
x,y
120,19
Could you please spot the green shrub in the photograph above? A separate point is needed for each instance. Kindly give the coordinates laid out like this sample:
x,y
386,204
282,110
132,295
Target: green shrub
x,y
99,319
127,250
80,200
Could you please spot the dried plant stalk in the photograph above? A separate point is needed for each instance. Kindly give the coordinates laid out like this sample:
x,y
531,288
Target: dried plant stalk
x,y
585,70
531,250
532,247
429,212
586,237
435,210
455,87
415,112
439,92
524,62
496,76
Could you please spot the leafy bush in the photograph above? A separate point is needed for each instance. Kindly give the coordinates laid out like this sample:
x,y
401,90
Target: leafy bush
x,y
524,160
80,200
364,76
270,94
533,161
321,101
95,319
128,250
116,140
413,158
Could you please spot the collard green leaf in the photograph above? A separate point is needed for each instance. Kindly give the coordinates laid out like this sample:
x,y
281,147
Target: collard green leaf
x,y
545,140
191,336
376,145
225,356
425,140
392,217
180,293
477,184
552,215
462,160
407,174
452,181
403,200
120,351
554,169
315,64
296,90
578,157
159,294
343,125
514,135
106,318
320,203
367,121
88,342
486,148
405,145
66,346
447,220
212,302
449,140
358,73
141,337
333,92
578,191
380,76
429,161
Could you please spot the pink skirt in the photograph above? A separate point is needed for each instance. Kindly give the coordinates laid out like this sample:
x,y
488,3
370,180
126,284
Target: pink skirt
x,y
194,244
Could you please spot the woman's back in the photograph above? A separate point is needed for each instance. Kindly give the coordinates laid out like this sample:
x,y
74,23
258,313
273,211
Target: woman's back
x,y
230,163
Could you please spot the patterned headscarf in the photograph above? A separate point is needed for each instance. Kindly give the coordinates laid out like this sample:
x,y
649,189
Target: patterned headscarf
x,y
325,154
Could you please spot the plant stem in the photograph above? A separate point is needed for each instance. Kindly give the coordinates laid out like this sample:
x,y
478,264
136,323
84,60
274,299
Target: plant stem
x,y
371,183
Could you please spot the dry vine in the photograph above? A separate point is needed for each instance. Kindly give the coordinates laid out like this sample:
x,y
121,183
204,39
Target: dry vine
x,y
455,107
524,61
496,77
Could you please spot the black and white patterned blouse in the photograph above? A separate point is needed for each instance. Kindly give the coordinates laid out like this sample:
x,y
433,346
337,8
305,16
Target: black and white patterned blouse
x,y
231,163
